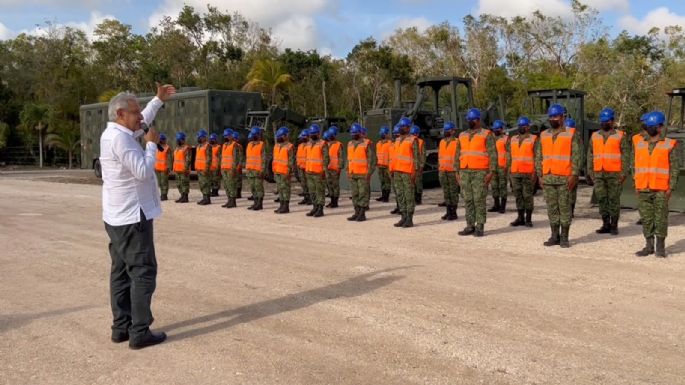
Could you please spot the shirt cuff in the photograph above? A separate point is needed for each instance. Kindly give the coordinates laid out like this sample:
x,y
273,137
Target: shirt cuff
x,y
150,149
156,102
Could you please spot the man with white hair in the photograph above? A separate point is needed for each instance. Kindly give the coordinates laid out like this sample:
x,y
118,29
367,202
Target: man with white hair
x,y
130,201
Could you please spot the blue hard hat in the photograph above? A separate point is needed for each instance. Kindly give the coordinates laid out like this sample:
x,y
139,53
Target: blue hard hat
x,y
644,117
212,137
303,134
396,130
523,121
497,125
473,114
355,129
228,132
180,136
254,131
449,126
556,110
414,130
236,135
202,134
404,122
655,118
570,123
384,131
281,132
606,115
364,130
326,135
334,130
162,137
314,129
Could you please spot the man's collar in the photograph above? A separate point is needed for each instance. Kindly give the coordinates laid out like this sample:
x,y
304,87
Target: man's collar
x,y
120,127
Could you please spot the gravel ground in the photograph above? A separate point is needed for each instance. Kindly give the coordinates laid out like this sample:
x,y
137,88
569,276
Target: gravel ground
x,y
255,298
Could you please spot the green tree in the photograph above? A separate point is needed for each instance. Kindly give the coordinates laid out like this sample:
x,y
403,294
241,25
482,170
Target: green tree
x,y
65,135
35,118
269,78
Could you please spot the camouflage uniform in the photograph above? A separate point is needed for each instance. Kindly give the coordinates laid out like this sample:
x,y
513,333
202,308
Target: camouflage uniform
x,y
183,178
163,176
205,178
230,177
283,181
256,178
405,188
653,205
473,186
500,179
360,185
383,173
419,173
216,174
522,186
302,175
333,176
608,185
317,182
448,180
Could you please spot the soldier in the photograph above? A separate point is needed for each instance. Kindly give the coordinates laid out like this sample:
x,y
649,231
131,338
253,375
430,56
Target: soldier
x,y
608,165
406,161
447,171
255,164
230,163
383,161
182,159
162,167
214,167
415,131
656,176
301,155
283,167
635,139
477,155
558,160
521,166
241,159
203,161
316,164
335,165
499,179
361,164
393,150
571,127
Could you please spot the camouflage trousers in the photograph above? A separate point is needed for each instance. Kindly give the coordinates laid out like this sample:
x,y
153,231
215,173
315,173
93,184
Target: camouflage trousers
x,y
653,208
523,189
216,179
608,188
498,184
230,182
240,178
163,181
450,187
333,182
384,177
418,188
361,190
404,190
256,182
317,188
558,198
475,192
204,178
302,177
183,183
283,185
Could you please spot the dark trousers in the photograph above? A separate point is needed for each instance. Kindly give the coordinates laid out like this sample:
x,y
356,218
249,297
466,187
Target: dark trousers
x,y
133,276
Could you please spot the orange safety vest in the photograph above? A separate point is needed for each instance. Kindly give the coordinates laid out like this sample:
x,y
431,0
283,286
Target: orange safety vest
x,y
160,160
201,157
523,155
383,153
281,158
556,154
253,157
314,163
501,145
180,159
447,152
333,151
473,154
301,155
404,155
653,171
392,150
357,158
606,156
227,156
215,157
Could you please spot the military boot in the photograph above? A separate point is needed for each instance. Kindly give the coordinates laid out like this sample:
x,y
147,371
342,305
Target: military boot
x,y
205,200
231,203
239,194
258,204
163,197
334,202
418,199
495,206
319,212
443,204
529,218
362,214
305,200
661,247
563,239
502,205
401,222
648,249
251,207
314,209
386,196
453,214
357,209
286,208
277,200
179,199
606,226
480,230
519,219
408,220
448,212
614,226
280,208
380,198
554,238
250,198
184,199
468,230
396,210
215,192
228,200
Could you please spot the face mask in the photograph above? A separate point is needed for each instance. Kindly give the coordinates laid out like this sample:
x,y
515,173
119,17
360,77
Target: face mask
x,y
652,131
179,142
314,137
523,130
281,140
357,136
606,126
448,134
555,124
472,124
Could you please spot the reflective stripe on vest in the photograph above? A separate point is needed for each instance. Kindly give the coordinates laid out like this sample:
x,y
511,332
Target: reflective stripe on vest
x,y
281,158
314,163
227,156
523,155
501,145
160,160
606,156
201,157
556,154
301,155
404,155
392,150
383,153
333,155
447,152
180,159
357,158
653,171
473,154
253,156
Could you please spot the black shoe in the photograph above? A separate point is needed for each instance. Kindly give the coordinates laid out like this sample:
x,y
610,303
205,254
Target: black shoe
x,y
119,337
396,210
286,208
314,209
613,229
205,200
554,238
163,197
495,206
184,198
362,215
179,199
334,202
529,216
453,213
250,198
319,212
408,221
648,249
226,204
502,205
231,203
150,338
239,194
215,192
520,221
277,200
401,222
468,230
258,204
357,209
606,226
280,207
443,204
660,247
479,231
418,199
563,238
448,212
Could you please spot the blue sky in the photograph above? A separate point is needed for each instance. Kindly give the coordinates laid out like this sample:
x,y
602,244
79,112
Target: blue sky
x,y
331,26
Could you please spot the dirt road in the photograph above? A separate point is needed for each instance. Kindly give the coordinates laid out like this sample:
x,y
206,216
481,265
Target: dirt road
x,y
256,298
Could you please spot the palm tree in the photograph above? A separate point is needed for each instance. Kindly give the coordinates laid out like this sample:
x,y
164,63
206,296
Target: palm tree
x,y
268,77
36,116
66,137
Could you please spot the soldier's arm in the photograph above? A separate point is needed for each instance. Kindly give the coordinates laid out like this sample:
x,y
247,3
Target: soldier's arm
x,y
341,158
674,160
423,155
236,157
189,158
291,160
576,156
326,156
625,155
456,156
590,160
417,155
264,160
208,157
371,159
538,158
491,147
507,155
169,159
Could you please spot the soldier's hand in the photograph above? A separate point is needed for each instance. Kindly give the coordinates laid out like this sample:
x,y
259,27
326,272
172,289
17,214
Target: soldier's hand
x,y
571,182
533,178
458,177
668,195
488,178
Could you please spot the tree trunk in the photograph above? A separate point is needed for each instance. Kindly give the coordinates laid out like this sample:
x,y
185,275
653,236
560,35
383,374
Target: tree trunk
x,y
40,148
70,158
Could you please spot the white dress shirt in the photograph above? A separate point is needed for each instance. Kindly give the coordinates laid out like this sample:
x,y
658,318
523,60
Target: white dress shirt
x,y
128,175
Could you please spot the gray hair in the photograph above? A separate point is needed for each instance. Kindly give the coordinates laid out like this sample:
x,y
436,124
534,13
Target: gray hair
x,y
119,102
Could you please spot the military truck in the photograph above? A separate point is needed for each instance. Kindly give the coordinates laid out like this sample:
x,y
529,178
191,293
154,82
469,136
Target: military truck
x,y
189,110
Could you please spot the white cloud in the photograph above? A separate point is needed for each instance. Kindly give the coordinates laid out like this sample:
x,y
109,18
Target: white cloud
x,y
659,17
421,24
5,33
510,8
86,26
608,5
